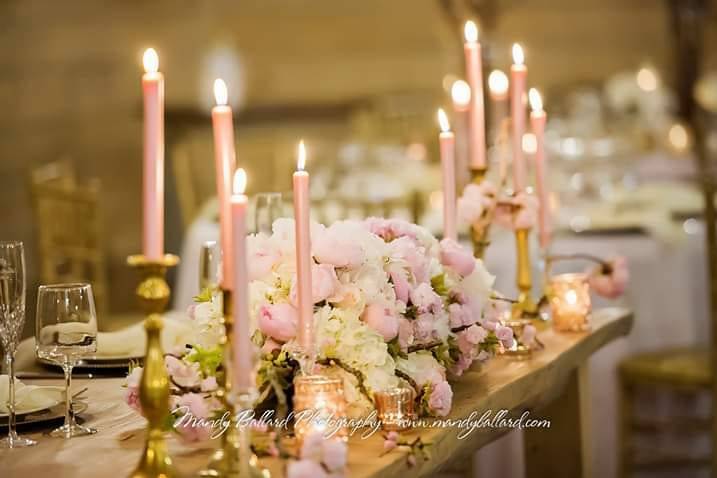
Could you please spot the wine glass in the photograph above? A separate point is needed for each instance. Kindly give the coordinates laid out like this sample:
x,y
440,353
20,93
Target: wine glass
x,y
65,332
269,208
12,320
209,257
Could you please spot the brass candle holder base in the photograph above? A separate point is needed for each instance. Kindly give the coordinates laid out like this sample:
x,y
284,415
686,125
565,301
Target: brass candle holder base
x,y
479,237
153,293
234,457
525,306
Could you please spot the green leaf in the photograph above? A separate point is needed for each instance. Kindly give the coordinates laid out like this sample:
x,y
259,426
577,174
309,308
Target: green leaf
x,y
205,295
209,359
439,285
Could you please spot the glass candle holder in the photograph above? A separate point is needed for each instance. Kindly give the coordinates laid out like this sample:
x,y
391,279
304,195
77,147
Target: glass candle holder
x,y
570,302
519,349
395,408
319,406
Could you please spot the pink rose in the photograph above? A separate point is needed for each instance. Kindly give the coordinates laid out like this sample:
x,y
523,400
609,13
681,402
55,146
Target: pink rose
x,y
330,248
278,321
400,285
425,298
612,284
382,320
131,396
457,257
305,469
182,373
440,400
528,335
505,335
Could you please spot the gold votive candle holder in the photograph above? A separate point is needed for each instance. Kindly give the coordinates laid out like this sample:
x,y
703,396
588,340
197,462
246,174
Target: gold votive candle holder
x,y
570,303
395,408
519,350
319,406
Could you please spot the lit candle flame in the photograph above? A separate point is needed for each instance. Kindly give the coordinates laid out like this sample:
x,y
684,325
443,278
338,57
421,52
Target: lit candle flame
x,y
471,31
536,102
647,79
518,56
150,61
461,93
443,121
239,181
571,297
301,162
498,83
220,92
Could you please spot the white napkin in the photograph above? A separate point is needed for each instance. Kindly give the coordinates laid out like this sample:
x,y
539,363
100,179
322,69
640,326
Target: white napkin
x,y
29,397
131,341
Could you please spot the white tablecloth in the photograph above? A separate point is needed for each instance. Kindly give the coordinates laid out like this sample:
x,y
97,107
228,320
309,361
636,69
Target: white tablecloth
x,y
667,292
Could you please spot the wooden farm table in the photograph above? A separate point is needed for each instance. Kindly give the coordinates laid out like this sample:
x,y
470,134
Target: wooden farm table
x,y
550,385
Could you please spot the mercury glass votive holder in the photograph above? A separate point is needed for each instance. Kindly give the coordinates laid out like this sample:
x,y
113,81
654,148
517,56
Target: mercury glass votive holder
x,y
395,408
319,406
570,303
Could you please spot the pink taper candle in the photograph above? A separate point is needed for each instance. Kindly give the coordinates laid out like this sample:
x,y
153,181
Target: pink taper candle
x,y
461,96
302,214
476,115
518,73
242,335
448,166
153,177
537,123
225,163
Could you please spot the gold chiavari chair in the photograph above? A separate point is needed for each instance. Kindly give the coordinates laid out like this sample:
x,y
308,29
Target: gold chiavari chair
x,y
68,226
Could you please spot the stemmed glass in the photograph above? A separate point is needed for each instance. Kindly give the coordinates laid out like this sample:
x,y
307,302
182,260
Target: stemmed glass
x,y
209,257
66,331
12,320
269,208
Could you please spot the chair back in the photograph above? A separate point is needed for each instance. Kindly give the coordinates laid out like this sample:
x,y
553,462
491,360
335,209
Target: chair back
x,y
68,229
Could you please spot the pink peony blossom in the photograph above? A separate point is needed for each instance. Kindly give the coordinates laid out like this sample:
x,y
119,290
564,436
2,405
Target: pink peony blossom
x,y
505,335
278,321
460,315
469,338
612,284
191,408
332,248
382,320
390,229
405,333
262,257
517,212
324,284
440,399
457,257
335,454
401,286
423,327
413,255
476,204
305,469
182,373
425,298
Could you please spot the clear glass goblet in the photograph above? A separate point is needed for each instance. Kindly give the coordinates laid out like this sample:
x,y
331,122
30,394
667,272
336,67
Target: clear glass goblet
x,y
65,332
269,208
12,320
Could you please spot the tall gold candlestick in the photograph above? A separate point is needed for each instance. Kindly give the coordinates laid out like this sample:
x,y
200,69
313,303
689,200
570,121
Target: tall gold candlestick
x,y
479,237
233,458
153,293
524,280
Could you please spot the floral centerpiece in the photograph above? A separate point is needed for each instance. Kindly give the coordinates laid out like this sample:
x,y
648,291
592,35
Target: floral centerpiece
x,y
392,305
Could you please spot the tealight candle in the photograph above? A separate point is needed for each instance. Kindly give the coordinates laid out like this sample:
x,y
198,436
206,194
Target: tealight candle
x,y
570,302
319,406
395,408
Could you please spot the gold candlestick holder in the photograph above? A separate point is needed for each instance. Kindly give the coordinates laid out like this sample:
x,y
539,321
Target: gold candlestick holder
x,y
525,306
479,237
153,293
234,457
